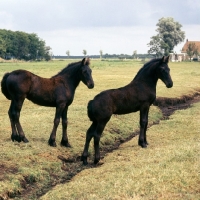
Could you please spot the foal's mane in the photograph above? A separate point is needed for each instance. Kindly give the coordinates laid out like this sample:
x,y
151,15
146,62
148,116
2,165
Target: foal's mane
x,y
147,65
70,68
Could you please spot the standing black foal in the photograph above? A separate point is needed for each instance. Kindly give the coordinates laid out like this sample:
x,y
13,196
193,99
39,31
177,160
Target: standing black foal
x,y
57,91
136,96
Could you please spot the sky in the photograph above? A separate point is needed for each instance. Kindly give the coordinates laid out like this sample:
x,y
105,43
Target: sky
x,y
113,26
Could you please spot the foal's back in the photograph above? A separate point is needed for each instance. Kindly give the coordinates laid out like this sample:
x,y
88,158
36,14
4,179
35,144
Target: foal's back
x,y
122,100
35,88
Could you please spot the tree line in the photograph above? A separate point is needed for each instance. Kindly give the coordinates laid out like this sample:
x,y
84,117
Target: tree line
x,y
21,45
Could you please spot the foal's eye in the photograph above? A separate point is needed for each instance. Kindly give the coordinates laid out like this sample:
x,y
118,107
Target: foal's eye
x,y
162,70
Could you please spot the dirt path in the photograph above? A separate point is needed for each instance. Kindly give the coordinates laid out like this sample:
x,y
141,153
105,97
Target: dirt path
x,y
73,165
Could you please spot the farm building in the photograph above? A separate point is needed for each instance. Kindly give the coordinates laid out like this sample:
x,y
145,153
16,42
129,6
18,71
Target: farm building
x,y
184,49
174,57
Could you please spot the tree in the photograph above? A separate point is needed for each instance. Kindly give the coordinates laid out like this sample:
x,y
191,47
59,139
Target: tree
x,y
68,53
84,52
135,54
156,45
169,35
33,46
2,47
47,54
22,45
101,54
191,50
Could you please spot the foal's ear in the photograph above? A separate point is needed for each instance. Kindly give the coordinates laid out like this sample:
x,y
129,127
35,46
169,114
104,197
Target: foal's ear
x,y
165,59
85,61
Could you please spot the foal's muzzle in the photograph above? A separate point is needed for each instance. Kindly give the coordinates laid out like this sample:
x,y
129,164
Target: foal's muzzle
x,y
90,85
169,85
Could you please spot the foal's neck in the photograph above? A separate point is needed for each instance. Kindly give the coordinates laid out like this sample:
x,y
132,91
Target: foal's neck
x,y
73,80
148,76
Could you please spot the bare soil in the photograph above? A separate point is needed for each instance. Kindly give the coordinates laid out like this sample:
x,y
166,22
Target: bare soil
x,y
6,168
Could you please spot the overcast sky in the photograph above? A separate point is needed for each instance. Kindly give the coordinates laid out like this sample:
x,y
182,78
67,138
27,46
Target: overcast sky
x,y
114,26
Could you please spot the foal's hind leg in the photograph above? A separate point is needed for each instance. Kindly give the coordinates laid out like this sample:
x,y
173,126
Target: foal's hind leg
x,y
89,135
59,111
100,127
14,113
11,113
64,141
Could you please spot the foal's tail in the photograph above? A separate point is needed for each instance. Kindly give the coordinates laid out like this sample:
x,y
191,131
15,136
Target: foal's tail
x,y
4,87
90,111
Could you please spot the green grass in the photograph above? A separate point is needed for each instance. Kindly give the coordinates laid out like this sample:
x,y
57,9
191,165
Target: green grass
x,y
35,165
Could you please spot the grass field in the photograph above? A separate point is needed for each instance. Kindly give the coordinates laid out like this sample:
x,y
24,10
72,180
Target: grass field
x,y
30,168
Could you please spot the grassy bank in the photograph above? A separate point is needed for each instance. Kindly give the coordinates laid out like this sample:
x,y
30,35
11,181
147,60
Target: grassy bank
x,y
32,167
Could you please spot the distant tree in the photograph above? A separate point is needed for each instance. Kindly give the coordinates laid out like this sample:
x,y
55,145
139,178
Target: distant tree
x,y
22,45
33,46
135,54
192,50
106,55
47,54
84,52
68,53
169,35
2,47
22,42
156,46
101,54
122,56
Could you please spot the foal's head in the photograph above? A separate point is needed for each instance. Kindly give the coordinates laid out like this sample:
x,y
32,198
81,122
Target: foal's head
x,y
163,72
86,73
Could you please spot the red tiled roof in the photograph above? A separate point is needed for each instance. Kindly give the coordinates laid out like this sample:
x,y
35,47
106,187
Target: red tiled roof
x,y
197,44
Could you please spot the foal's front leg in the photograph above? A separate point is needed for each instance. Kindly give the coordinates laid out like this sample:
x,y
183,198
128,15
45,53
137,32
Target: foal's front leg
x,y
144,111
64,141
59,111
11,113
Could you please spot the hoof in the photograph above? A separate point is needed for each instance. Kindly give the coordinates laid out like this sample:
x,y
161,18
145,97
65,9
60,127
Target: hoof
x,y
65,143
96,161
52,143
84,159
142,144
146,143
15,138
25,140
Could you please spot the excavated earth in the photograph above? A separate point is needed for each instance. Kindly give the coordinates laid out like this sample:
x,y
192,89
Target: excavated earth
x,y
73,166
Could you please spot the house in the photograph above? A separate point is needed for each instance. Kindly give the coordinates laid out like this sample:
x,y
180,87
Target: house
x,y
184,49
174,57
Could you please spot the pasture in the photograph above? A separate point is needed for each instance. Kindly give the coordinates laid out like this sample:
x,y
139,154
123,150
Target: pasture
x,y
31,169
